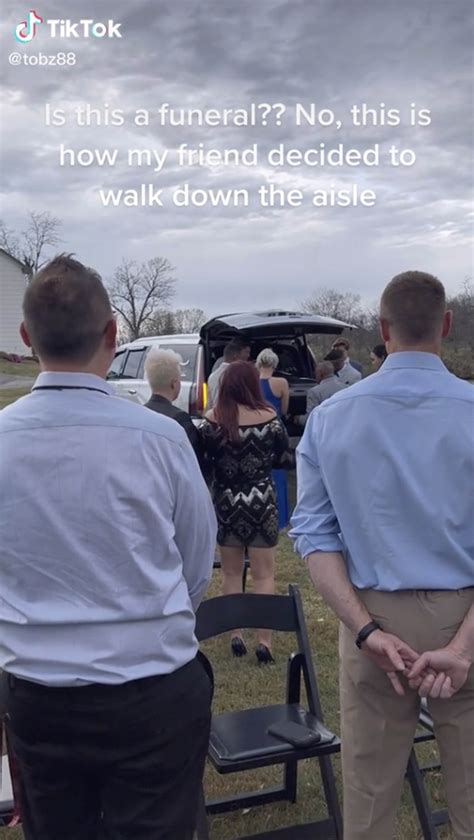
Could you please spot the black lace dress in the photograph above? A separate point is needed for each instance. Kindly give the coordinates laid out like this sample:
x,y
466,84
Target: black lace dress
x,y
242,486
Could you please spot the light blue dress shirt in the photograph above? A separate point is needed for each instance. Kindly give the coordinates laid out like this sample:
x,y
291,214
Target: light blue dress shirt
x,y
385,474
107,537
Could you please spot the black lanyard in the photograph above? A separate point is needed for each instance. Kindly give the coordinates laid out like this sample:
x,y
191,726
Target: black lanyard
x,y
69,388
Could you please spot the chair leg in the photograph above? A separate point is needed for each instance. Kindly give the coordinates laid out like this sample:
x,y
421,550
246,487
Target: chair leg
x,y
420,798
330,793
291,780
244,574
202,828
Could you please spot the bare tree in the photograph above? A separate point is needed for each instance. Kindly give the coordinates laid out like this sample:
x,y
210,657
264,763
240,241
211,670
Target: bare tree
x,y
161,322
462,306
345,306
40,234
9,241
189,320
137,290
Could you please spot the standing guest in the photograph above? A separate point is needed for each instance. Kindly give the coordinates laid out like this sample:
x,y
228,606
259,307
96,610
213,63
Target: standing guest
x,y
240,345
384,522
345,372
276,392
108,538
163,372
344,345
377,356
234,351
328,384
244,440
336,357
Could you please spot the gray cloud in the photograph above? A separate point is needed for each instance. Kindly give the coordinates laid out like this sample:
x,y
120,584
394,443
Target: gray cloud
x,y
218,53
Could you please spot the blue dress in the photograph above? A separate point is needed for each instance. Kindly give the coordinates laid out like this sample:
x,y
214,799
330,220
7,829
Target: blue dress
x,y
279,476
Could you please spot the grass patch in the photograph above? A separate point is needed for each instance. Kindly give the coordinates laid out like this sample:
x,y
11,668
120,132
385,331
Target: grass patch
x,y
242,683
9,395
19,369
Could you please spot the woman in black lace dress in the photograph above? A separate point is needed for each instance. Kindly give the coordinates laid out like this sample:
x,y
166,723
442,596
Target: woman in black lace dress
x,y
243,441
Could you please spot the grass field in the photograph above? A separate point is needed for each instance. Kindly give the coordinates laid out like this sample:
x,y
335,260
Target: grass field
x,y
27,370
242,683
9,395
18,369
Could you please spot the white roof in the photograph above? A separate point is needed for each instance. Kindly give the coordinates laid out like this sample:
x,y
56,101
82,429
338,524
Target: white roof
x,y
176,338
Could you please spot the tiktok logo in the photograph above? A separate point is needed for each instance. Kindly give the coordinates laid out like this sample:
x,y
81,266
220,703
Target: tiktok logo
x,y
26,30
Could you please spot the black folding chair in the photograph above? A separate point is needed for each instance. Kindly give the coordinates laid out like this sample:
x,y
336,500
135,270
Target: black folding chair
x,y
429,819
6,793
6,786
240,740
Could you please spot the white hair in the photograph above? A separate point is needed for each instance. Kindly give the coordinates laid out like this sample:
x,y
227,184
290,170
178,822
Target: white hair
x,y
162,367
267,358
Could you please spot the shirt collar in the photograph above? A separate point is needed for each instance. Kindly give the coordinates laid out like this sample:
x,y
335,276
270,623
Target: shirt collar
x,y
160,398
413,359
56,379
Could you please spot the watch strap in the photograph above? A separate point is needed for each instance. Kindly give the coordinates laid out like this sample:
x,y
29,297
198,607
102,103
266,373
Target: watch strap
x,y
365,632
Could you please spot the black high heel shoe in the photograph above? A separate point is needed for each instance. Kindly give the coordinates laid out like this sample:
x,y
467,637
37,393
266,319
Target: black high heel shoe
x,y
238,646
264,654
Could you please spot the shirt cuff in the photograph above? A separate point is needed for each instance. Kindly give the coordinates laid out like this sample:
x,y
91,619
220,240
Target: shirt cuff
x,y
306,545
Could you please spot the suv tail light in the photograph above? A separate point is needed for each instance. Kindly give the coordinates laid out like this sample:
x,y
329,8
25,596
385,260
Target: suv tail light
x,y
198,392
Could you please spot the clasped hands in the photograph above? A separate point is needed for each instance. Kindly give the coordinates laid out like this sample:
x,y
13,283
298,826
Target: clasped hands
x,y
435,673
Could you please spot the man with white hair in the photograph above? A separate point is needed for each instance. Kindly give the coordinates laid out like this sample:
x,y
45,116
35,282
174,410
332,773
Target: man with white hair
x,y
162,369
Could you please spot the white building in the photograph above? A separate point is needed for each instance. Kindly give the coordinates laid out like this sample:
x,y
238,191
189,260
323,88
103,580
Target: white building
x,y
12,288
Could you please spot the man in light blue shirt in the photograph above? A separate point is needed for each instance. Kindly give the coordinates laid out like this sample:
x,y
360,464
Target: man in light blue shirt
x,y
384,519
108,537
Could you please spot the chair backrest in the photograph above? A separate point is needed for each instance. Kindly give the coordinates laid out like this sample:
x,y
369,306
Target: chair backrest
x,y
222,614
271,612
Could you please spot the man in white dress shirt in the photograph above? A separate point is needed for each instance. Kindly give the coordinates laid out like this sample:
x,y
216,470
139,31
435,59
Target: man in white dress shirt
x,y
351,372
108,536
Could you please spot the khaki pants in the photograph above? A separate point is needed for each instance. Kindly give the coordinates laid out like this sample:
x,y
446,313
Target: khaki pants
x,y
378,726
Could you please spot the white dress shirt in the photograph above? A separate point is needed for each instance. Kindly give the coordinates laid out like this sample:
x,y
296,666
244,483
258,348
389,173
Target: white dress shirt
x,y
213,384
107,536
348,374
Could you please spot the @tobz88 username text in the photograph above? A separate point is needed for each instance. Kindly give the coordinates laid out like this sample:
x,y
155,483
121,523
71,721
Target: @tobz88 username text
x,y
60,59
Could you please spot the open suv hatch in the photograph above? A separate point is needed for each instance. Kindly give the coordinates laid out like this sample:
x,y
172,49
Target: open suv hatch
x,y
285,332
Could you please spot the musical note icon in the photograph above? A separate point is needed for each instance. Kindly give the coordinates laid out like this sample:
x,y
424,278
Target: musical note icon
x,y
26,30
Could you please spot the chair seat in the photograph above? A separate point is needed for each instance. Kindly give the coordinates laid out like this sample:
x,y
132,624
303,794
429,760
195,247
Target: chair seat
x,y
241,738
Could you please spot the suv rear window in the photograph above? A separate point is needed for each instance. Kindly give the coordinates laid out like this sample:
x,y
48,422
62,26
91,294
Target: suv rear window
x,y
132,365
117,364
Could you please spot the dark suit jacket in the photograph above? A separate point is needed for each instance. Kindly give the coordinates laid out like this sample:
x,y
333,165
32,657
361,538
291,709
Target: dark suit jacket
x,y
164,406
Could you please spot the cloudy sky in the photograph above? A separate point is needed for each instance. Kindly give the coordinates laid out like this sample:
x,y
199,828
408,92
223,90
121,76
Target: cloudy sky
x,y
229,54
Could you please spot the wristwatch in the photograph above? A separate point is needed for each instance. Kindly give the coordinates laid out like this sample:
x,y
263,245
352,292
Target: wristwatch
x,y
365,632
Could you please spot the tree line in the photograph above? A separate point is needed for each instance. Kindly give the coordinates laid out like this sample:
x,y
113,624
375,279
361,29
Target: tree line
x,y
458,348
142,294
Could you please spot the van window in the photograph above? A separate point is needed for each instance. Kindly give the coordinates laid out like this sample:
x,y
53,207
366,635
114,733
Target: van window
x,y
188,353
132,364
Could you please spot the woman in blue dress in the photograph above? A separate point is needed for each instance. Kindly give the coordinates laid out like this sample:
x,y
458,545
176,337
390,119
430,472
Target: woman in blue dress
x,y
276,392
